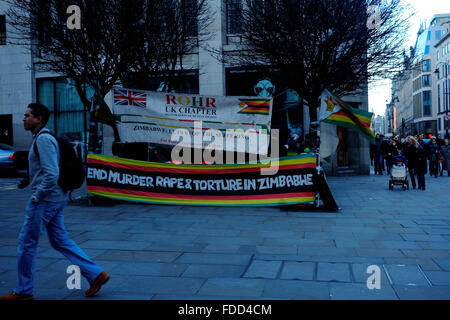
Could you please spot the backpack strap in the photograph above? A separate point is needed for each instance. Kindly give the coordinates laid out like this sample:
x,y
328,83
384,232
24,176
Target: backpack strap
x,y
35,148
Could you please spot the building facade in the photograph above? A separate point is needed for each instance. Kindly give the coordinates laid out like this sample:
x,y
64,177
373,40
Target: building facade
x,y
419,89
401,115
204,74
17,86
442,73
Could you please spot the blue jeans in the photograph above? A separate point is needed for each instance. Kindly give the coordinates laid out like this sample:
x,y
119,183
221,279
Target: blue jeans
x,y
51,215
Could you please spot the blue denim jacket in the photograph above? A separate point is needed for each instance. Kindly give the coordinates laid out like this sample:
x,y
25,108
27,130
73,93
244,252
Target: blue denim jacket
x,y
44,171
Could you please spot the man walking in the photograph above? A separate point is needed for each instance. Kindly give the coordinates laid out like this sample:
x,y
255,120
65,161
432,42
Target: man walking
x,y
46,206
378,151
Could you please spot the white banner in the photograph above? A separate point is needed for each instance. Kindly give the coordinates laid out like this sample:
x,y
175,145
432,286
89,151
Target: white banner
x,y
148,116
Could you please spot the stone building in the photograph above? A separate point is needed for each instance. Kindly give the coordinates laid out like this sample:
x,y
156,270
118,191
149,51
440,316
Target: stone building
x,y
204,74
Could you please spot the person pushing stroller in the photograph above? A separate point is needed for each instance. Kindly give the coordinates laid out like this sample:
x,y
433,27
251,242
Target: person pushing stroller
x,y
398,172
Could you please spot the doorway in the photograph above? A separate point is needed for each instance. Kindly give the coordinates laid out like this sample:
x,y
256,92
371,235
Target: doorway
x,y
342,147
6,129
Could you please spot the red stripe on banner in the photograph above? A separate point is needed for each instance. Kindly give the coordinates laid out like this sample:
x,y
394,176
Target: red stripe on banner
x,y
353,117
197,171
194,197
257,103
133,98
189,120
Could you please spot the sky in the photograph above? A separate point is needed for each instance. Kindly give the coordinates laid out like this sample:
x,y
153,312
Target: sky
x,y
424,9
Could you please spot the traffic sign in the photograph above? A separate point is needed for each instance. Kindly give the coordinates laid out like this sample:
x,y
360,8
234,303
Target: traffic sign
x,y
447,118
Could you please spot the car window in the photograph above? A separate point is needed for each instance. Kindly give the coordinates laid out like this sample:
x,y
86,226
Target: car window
x,y
6,147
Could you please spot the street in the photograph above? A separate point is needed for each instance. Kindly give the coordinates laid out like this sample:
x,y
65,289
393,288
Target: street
x,y
185,252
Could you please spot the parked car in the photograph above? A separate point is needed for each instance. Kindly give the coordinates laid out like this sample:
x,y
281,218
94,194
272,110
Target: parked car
x,y
11,159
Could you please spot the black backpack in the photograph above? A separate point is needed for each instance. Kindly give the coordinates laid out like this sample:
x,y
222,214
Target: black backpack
x,y
71,170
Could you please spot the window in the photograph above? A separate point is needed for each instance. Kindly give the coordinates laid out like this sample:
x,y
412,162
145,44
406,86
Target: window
x,y
189,17
66,110
439,124
426,65
439,98
427,50
426,80
426,103
233,16
2,30
437,35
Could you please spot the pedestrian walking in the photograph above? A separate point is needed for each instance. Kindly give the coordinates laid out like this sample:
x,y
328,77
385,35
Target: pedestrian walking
x,y
445,153
411,153
421,167
434,154
46,207
440,143
378,152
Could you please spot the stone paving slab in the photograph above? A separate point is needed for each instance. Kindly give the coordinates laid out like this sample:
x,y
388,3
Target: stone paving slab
x,y
297,289
438,278
213,258
333,272
423,293
138,256
443,263
293,270
212,271
424,263
406,275
186,252
263,269
357,291
164,285
233,287
147,269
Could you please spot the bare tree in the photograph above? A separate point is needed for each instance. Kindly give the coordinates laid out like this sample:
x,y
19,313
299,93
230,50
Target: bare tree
x,y
93,56
117,39
316,44
170,30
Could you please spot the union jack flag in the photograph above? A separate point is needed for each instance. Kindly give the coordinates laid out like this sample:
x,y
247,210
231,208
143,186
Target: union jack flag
x,y
130,98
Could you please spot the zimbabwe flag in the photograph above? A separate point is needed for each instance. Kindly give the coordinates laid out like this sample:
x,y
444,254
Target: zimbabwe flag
x,y
333,110
255,106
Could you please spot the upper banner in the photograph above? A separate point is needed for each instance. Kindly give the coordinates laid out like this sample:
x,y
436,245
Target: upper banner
x,y
207,185
148,116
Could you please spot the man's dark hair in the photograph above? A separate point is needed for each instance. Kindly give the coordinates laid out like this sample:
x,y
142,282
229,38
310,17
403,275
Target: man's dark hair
x,y
39,110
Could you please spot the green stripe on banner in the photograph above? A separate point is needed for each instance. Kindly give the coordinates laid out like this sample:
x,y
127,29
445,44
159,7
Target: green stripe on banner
x,y
243,185
351,126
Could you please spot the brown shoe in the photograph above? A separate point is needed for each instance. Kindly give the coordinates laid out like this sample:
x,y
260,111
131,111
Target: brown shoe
x,y
14,296
97,284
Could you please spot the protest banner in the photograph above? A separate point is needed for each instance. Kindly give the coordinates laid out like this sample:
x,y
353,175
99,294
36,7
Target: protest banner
x,y
204,185
148,116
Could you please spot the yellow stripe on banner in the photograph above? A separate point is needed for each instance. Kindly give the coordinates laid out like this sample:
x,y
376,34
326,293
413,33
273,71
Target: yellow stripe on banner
x,y
303,160
159,118
346,119
176,127
200,202
341,117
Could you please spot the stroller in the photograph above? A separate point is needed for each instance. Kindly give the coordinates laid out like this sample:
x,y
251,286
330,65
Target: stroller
x,y
398,173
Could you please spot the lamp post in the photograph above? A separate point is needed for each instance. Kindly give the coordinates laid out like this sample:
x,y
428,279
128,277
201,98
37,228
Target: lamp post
x,y
445,92
394,113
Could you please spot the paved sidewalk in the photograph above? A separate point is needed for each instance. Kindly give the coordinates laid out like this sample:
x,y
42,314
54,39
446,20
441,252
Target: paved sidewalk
x,y
180,252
